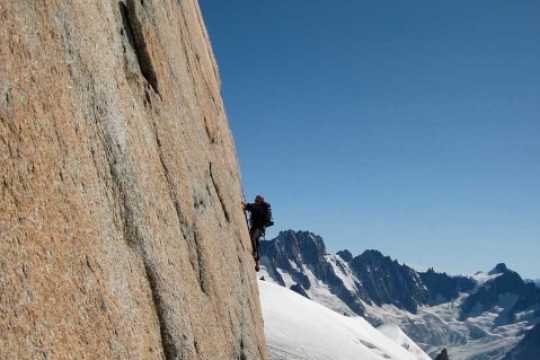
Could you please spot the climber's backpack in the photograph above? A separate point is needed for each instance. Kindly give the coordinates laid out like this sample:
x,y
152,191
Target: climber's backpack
x,y
268,220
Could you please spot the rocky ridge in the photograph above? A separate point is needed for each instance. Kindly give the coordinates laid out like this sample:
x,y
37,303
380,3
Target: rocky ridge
x,y
372,277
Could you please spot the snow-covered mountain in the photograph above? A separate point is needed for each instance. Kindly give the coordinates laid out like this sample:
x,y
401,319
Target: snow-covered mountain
x,y
301,329
481,317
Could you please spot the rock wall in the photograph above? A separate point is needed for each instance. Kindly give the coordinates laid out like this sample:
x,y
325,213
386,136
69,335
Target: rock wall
x,y
121,233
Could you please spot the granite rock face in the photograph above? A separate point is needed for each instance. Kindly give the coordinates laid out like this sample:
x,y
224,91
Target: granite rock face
x,y
121,234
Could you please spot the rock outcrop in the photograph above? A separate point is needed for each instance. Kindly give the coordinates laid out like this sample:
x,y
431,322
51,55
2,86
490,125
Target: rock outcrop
x,y
121,235
443,355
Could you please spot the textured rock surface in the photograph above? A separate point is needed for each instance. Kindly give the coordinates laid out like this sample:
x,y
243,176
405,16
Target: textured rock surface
x,y
121,235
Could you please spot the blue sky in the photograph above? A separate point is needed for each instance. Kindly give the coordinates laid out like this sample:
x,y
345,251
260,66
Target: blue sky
x,y
410,127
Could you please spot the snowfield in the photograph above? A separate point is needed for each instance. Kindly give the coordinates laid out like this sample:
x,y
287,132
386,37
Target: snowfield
x,y
395,333
297,328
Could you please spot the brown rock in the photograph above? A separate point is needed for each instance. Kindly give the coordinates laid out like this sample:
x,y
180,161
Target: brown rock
x,y
121,234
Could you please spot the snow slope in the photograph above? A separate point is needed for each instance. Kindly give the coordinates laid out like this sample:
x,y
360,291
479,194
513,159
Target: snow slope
x,y
297,328
395,333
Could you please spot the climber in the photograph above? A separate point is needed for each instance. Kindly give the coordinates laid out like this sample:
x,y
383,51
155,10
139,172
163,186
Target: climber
x,y
260,218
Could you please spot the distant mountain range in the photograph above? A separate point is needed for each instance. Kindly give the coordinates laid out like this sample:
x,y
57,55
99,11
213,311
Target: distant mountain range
x,y
487,316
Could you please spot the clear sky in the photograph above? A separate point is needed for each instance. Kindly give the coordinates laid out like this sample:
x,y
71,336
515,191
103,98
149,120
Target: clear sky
x,y
407,126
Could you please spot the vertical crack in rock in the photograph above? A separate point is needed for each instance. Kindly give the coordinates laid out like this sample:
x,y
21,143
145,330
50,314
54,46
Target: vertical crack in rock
x,y
167,341
126,199
220,196
238,350
135,33
211,138
196,256
128,32
201,267
165,168
242,355
190,238
135,240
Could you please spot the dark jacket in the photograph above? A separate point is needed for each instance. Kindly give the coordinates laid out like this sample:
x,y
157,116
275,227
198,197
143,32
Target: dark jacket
x,y
258,214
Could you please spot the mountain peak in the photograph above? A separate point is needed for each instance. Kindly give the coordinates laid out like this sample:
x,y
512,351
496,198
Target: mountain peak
x,y
490,287
345,255
501,268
